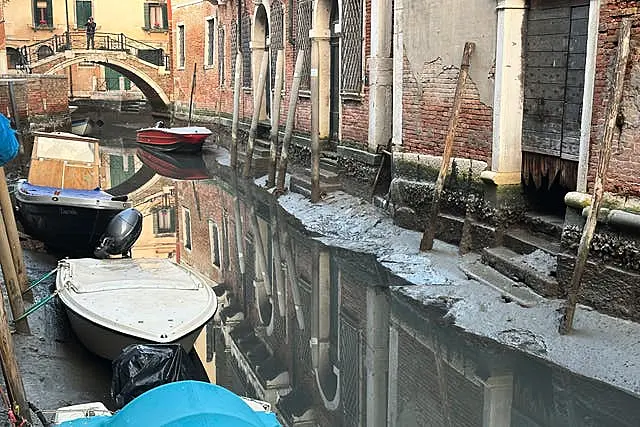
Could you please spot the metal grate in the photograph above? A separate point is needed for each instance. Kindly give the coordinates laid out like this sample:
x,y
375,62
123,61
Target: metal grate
x,y
302,356
350,373
305,8
246,51
351,46
276,37
221,55
234,49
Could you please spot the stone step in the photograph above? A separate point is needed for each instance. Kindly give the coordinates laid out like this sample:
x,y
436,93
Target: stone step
x,y
301,184
537,269
524,242
329,164
517,292
326,177
264,143
550,225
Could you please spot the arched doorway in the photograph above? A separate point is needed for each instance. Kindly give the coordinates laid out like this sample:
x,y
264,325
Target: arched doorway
x,y
260,44
14,58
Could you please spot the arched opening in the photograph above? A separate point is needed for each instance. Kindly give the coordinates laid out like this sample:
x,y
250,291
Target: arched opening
x,y
44,51
260,44
14,58
155,94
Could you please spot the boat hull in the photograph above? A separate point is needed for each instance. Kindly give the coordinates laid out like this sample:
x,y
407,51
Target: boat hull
x,y
108,343
174,165
82,127
167,140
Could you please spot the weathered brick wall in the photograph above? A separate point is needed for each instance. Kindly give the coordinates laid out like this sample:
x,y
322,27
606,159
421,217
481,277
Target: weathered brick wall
x,y
48,95
624,168
211,98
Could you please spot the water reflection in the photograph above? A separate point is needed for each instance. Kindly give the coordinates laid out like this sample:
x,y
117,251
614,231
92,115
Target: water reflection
x,y
317,331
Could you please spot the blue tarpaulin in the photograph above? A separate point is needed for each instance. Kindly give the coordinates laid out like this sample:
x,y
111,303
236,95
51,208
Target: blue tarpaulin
x,y
8,141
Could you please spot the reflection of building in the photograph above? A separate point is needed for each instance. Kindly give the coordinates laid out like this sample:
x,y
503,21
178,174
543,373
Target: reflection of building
x,y
316,331
141,20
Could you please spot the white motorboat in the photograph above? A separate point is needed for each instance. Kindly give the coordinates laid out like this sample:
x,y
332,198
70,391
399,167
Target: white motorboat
x,y
113,303
83,126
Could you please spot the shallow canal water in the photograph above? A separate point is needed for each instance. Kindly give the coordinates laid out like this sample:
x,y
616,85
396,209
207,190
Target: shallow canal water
x,y
311,327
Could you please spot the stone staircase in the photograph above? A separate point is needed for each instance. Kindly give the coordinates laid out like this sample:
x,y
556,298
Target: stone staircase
x,y
261,156
524,266
329,176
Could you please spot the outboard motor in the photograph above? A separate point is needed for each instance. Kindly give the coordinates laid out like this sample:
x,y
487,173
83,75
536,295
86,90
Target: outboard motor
x,y
121,233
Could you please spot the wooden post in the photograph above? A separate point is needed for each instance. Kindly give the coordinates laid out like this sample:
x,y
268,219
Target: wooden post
x,y
291,117
10,369
193,88
292,277
260,250
12,233
430,227
11,279
277,259
613,105
258,94
315,126
237,82
275,119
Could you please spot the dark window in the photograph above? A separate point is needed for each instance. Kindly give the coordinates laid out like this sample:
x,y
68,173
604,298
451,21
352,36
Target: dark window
x,y
155,16
181,46
246,51
187,229
83,12
305,9
164,221
42,13
276,42
221,55
351,46
44,51
211,39
14,58
214,243
234,49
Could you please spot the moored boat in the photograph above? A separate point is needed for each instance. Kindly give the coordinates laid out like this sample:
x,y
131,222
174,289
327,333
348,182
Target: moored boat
x,y
174,165
114,303
185,139
83,126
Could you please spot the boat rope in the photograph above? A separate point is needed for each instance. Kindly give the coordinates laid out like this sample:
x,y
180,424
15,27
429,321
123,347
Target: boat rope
x,y
40,280
36,306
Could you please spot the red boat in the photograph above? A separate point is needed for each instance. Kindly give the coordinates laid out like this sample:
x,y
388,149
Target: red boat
x,y
186,139
174,165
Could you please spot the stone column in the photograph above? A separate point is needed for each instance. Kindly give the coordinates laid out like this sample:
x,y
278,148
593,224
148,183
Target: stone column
x,y
398,71
498,396
257,51
381,75
377,356
508,104
321,42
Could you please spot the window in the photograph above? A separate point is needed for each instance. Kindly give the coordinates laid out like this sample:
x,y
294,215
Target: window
x,y
42,13
155,16
210,45
164,221
303,42
187,229
44,51
181,46
221,56
246,51
214,243
83,12
352,46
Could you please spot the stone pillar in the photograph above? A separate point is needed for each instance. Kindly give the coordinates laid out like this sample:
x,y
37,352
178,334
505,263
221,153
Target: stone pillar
x,y
508,103
321,42
94,82
377,356
381,75
257,51
498,396
398,71
121,85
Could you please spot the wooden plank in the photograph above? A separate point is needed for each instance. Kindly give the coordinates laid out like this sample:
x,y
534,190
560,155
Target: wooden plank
x,y
551,92
573,113
46,172
548,27
547,59
550,4
576,61
580,12
577,44
575,78
574,95
545,75
548,109
548,43
81,177
547,125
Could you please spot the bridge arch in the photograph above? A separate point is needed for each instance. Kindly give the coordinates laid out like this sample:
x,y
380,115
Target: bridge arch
x,y
156,95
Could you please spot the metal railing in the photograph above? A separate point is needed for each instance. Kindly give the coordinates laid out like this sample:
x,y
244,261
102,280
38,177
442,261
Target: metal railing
x,y
102,41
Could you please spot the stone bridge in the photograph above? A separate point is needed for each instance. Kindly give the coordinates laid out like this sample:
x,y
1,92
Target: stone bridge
x,y
145,66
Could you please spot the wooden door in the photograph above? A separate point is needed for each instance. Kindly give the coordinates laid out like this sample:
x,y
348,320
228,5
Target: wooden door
x,y
556,43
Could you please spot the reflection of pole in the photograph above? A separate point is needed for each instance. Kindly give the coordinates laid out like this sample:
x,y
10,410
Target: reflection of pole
x,y
68,40
315,126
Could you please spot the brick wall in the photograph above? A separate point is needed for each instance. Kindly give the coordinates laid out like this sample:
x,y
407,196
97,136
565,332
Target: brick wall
x,y
48,95
624,169
210,97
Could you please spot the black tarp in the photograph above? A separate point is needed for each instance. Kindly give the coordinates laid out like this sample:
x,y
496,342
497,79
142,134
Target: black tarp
x,y
140,368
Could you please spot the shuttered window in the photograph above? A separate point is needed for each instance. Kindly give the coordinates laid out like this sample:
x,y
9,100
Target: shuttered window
x,y
246,51
164,221
351,46
303,42
221,80
155,16
42,13
234,49
83,13
214,243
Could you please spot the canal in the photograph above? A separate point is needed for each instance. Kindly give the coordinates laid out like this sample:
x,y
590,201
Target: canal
x,y
310,319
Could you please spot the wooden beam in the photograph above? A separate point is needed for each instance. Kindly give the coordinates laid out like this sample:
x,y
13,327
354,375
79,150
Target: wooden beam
x,y
275,118
258,94
613,107
11,278
236,111
12,233
432,222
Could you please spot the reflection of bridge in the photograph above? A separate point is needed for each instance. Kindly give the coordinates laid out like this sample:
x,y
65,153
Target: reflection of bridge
x,y
146,66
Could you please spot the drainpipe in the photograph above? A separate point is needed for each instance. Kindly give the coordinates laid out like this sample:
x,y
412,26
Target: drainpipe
x,y
68,41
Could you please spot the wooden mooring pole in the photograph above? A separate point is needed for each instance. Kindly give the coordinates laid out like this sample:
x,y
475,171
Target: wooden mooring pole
x,y
258,94
12,233
275,119
432,222
291,118
11,279
193,89
613,106
237,81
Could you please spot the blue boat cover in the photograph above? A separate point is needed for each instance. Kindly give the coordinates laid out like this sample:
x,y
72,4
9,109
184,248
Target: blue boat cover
x,y
38,190
8,141
183,404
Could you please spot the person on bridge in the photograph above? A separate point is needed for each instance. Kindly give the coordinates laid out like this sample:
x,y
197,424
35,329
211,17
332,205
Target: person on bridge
x,y
91,32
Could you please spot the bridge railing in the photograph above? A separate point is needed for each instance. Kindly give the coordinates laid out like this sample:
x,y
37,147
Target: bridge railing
x,y
102,41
